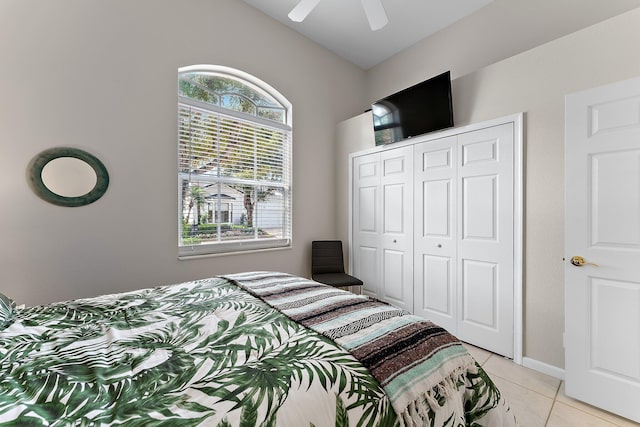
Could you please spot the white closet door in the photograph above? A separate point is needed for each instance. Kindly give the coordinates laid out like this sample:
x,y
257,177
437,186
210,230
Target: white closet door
x,y
366,245
383,225
434,231
485,265
464,236
396,185
435,244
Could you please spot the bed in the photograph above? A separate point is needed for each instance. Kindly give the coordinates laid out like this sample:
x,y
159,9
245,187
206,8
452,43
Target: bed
x,y
250,349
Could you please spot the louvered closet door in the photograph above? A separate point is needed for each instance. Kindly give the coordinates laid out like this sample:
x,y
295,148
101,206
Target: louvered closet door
x,y
485,264
435,244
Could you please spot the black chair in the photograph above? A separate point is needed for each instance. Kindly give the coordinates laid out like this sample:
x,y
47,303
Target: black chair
x,y
327,264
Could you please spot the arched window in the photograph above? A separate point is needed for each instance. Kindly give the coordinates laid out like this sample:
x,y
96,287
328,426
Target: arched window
x,y
234,162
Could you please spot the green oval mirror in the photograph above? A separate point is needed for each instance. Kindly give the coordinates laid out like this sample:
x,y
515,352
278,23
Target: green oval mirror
x,y
68,176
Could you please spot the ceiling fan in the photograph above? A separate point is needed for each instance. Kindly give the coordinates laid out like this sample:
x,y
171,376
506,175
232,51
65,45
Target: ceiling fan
x,y
374,10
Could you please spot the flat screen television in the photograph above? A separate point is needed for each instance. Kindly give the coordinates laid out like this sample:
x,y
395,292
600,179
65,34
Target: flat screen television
x,y
422,108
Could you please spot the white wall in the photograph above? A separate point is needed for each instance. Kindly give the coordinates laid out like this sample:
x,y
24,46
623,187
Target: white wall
x,y
495,32
535,82
102,76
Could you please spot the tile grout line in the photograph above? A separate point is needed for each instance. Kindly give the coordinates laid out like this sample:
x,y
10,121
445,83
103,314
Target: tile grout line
x,y
553,404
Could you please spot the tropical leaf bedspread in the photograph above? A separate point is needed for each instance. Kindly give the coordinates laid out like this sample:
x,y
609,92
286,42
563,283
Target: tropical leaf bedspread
x,y
216,352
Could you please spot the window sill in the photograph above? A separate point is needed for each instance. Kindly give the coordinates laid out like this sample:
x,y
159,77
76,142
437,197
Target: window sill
x,y
186,257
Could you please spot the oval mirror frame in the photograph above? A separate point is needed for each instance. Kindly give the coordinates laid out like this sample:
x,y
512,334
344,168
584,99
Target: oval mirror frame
x,y
38,186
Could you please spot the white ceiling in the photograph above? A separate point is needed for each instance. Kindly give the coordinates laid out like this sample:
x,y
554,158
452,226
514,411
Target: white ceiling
x,y
510,25
341,25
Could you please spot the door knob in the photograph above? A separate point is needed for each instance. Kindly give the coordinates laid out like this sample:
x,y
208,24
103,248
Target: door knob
x,y
578,261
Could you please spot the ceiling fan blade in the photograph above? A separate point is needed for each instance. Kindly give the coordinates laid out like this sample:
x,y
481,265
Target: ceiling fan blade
x,y
302,9
376,14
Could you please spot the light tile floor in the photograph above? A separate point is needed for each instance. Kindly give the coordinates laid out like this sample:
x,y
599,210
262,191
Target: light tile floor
x,y
538,400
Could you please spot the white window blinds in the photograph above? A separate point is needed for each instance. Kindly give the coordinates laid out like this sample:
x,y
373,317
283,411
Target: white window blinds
x,y
234,177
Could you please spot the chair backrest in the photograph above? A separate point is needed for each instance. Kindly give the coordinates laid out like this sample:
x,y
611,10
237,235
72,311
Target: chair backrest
x,y
326,257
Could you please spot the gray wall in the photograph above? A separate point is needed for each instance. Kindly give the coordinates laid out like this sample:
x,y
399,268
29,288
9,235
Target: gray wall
x,y
101,75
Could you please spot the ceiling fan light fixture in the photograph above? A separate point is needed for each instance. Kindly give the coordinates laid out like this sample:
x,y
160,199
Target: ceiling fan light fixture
x,y
302,9
376,14
373,9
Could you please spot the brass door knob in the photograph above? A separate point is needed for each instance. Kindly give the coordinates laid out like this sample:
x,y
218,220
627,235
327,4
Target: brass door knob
x,y
578,261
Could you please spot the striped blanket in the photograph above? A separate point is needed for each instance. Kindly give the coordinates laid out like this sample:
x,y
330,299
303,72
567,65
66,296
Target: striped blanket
x,y
418,363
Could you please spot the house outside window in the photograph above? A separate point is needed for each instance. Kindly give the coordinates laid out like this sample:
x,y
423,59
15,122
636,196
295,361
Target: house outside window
x,y
234,163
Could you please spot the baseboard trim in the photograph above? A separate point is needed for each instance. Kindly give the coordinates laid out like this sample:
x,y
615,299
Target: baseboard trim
x,y
544,368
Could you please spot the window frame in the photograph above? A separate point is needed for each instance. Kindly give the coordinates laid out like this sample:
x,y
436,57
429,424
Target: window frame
x,y
244,245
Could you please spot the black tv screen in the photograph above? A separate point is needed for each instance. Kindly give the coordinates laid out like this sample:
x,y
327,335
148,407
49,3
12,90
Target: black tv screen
x,y
424,107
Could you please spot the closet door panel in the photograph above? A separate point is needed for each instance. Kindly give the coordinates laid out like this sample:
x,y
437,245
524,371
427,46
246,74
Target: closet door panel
x,y
393,213
436,295
383,224
435,231
393,271
365,266
480,293
397,227
366,222
367,198
436,204
486,236
479,208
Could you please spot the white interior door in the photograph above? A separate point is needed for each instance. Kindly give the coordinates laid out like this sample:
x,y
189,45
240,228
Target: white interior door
x,y
602,225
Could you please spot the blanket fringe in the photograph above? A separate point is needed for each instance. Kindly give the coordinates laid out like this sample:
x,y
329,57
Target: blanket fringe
x,y
421,409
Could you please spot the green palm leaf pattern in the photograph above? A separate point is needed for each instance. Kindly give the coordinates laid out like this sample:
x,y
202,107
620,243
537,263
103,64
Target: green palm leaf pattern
x,y
197,353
